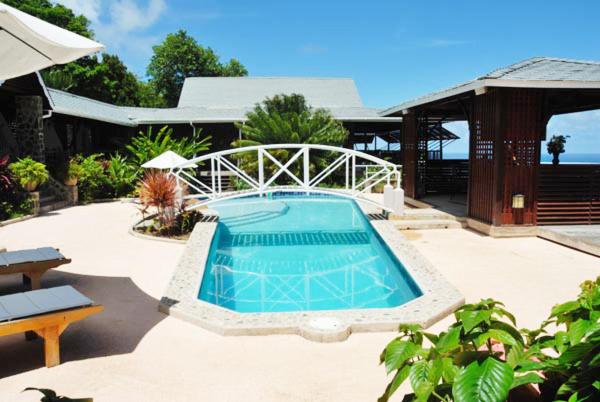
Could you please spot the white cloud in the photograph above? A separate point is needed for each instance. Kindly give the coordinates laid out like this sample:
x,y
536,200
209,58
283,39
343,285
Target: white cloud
x,y
122,25
89,8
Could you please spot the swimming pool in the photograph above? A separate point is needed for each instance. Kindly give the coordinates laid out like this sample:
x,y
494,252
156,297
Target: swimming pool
x,y
287,253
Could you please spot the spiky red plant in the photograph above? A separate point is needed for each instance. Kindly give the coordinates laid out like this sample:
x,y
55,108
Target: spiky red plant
x,y
159,190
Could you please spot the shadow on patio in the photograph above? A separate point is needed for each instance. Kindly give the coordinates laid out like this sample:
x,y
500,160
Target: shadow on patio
x,y
129,314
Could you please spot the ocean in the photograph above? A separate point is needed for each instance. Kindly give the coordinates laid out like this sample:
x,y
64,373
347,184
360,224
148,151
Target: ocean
x,y
564,158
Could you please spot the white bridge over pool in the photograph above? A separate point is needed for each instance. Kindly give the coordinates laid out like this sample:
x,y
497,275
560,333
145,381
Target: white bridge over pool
x,y
324,169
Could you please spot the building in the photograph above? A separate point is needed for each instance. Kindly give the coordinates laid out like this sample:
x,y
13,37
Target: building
x,y
508,190
70,124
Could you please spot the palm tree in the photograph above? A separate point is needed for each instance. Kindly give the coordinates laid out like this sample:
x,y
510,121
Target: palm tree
x,y
288,119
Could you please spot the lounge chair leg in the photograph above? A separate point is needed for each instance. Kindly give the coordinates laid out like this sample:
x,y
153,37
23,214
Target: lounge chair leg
x,y
34,279
26,282
52,346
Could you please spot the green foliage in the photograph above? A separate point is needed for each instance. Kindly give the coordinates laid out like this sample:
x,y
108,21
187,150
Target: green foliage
x,y
573,367
180,56
148,145
483,357
54,13
288,119
463,363
556,144
122,176
93,182
74,169
28,171
13,203
51,396
106,79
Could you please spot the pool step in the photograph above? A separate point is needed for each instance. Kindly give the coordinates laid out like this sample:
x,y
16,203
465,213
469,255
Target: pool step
x,y
422,224
427,214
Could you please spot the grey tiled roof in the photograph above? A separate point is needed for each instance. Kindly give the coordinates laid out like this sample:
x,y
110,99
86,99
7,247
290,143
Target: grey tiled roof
x,y
237,98
241,92
74,105
536,72
548,69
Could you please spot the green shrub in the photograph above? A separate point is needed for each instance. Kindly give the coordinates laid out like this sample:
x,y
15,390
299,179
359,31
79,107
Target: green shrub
x,y
28,172
122,176
483,357
146,146
74,169
93,182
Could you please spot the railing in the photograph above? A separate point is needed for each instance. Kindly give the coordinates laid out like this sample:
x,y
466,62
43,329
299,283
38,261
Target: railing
x,y
446,176
265,170
568,195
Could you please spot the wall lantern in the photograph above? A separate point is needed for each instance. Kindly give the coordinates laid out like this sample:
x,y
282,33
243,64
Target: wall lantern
x,y
518,201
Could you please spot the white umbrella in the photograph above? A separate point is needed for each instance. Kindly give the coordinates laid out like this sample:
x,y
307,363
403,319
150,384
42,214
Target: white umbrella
x,y
168,160
28,44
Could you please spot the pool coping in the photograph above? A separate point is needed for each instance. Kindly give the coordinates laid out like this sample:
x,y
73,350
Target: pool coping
x,y
439,298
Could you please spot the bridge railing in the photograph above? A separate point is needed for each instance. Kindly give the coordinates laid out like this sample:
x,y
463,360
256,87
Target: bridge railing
x,y
259,169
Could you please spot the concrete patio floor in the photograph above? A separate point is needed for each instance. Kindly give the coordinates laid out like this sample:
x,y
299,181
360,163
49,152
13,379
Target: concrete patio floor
x,y
131,352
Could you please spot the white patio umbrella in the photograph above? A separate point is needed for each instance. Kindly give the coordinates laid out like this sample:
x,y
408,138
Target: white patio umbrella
x,y
28,44
168,160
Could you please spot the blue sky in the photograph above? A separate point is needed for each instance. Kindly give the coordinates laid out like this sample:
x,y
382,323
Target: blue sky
x,y
394,50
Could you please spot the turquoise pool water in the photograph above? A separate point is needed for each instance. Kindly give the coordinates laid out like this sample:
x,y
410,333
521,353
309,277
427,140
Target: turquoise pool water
x,y
295,252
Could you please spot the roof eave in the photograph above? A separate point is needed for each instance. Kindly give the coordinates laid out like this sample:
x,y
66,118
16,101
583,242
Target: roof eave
x,y
483,83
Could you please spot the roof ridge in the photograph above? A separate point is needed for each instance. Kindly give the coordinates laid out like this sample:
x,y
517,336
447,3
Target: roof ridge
x,y
502,71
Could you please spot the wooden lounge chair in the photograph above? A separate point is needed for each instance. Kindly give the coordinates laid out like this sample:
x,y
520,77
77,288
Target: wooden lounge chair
x,y
31,263
47,312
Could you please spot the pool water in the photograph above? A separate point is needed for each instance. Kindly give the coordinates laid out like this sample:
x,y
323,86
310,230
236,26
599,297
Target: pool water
x,y
286,253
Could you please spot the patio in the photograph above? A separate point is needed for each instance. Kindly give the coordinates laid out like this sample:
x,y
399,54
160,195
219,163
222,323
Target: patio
x,y
133,352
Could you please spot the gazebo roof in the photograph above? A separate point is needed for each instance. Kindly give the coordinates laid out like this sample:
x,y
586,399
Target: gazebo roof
x,y
536,72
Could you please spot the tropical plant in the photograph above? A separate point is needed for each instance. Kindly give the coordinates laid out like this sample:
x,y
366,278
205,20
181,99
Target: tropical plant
x,y
570,357
288,119
51,396
29,173
122,175
6,181
13,203
556,146
483,357
158,190
180,56
74,170
148,145
476,359
93,182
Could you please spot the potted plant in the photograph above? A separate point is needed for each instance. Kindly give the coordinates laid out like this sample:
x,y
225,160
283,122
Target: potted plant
x,y
556,146
29,173
74,172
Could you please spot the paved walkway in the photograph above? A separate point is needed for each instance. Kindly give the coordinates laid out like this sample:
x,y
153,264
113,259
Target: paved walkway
x,y
580,237
131,352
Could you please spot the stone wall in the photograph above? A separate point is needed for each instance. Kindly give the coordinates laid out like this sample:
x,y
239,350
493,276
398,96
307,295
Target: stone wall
x,y
29,127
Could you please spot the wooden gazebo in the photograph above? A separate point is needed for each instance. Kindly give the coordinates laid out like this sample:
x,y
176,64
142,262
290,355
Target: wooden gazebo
x,y
507,111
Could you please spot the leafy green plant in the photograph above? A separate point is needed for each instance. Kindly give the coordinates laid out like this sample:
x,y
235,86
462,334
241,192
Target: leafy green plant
x,y
122,175
288,119
556,146
570,357
74,169
51,396
29,173
476,359
93,182
148,145
483,357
